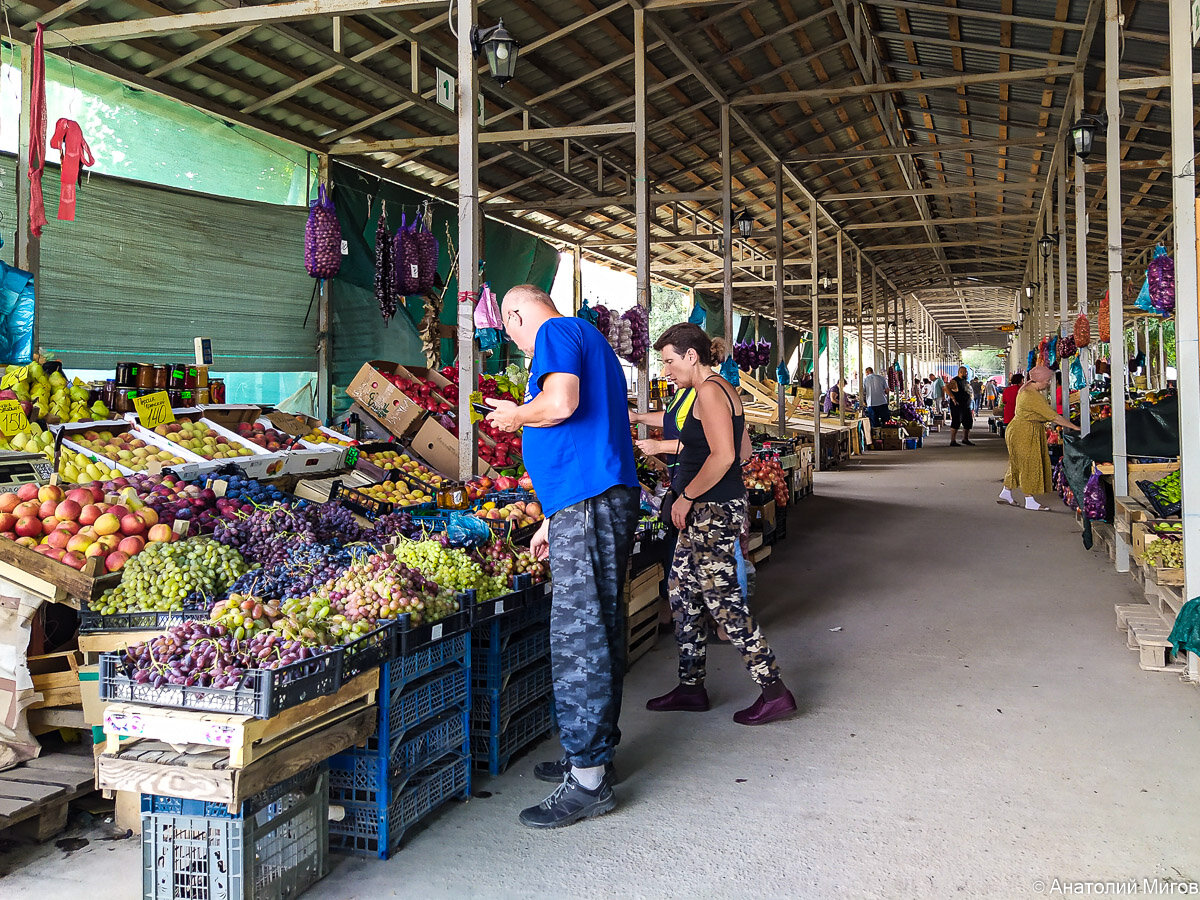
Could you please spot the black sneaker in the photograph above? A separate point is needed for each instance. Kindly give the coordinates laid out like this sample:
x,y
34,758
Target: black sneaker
x,y
571,802
555,770
967,443
954,443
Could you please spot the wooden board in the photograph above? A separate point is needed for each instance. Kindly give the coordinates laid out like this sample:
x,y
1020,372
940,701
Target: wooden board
x,y
760,555
1173,577
641,634
1155,654
643,590
37,793
52,579
182,776
1126,511
243,738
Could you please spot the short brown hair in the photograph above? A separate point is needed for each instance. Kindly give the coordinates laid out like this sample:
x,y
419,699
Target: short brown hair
x,y
685,336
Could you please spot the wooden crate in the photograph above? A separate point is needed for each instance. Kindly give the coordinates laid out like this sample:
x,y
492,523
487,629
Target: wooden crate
x,y
1127,511
241,738
642,590
1171,577
56,678
53,580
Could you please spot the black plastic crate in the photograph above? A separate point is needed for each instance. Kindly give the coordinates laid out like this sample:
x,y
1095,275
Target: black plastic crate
x,y
357,501
412,639
357,776
492,751
93,622
262,693
378,829
274,854
506,604
369,651
491,667
491,710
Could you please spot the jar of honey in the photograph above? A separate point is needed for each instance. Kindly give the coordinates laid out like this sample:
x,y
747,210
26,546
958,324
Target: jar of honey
x,y
201,376
203,396
145,377
453,495
162,377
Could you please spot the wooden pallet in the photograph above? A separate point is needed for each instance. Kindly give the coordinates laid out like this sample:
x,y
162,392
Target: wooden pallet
x,y
761,555
207,776
1146,632
37,793
242,739
1127,511
1167,599
1105,538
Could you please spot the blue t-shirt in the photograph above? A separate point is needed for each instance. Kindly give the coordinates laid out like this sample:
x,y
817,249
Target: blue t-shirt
x,y
591,451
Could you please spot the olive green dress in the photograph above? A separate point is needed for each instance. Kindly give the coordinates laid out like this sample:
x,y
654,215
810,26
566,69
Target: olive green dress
x,y
1028,460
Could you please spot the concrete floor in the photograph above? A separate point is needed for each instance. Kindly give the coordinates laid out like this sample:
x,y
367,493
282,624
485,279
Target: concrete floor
x,y
976,727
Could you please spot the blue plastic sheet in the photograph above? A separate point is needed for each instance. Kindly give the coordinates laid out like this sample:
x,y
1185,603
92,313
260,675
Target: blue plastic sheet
x,y
698,316
729,371
17,304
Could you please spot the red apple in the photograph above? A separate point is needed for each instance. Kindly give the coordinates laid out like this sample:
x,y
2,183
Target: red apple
x,y
81,495
115,561
107,524
131,545
49,524
97,491
148,516
28,492
159,534
8,501
119,511
28,508
46,510
89,514
109,541
8,522
74,560
55,553
68,527
131,524
50,492
68,510
59,539
29,526
27,541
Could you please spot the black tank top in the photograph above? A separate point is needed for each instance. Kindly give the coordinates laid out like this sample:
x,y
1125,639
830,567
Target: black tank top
x,y
695,453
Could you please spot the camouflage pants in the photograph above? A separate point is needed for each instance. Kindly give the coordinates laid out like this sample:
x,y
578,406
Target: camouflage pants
x,y
590,544
704,576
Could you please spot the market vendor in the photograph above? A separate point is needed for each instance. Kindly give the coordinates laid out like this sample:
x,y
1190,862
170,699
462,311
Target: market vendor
x,y
577,451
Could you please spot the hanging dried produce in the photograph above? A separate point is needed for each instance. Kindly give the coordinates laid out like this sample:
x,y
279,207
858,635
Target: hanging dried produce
x,y
322,238
1083,330
385,292
1104,335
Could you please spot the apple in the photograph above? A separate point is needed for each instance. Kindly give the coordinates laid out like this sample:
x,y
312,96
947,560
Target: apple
x,y
46,510
28,508
68,510
159,534
119,511
131,524
27,541
8,535
78,543
131,545
8,501
59,539
50,492
88,532
82,496
68,527
115,561
49,524
74,560
8,522
97,491
28,492
29,526
107,524
96,549
55,553
89,514
109,541
148,515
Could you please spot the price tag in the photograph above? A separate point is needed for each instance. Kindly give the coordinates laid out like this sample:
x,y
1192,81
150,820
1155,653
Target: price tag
x,y
154,467
351,456
154,409
499,607
181,526
18,374
12,417
218,486
436,632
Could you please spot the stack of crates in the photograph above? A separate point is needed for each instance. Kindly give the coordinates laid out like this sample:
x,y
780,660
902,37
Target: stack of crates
x,y
274,848
512,705
419,757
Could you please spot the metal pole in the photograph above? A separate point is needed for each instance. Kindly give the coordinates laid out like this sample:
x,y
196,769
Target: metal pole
x,y
779,256
841,293
1112,203
816,331
642,198
1081,230
859,329
875,321
1187,327
577,280
727,223
468,233
1063,314
324,344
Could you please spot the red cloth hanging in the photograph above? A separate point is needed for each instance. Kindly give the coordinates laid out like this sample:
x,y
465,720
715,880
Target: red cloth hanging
x,y
68,140
37,135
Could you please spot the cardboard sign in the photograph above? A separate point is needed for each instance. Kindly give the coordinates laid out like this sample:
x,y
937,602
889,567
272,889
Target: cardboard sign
x,y
13,377
154,409
12,418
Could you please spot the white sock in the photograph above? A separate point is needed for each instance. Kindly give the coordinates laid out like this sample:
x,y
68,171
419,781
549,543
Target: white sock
x,y
1006,495
590,777
1031,503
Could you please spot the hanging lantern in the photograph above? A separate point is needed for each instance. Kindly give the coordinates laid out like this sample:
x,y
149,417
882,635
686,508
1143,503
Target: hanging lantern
x,y
500,48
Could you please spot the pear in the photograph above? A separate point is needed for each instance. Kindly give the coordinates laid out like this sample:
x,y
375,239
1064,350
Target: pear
x,y
19,440
36,371
79,394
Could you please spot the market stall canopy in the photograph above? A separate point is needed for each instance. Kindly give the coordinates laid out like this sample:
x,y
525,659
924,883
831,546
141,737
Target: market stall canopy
x,y
924,132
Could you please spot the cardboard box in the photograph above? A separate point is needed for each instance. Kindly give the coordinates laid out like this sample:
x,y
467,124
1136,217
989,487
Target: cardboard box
x,y
439,448
89,694
890,437
762,518
383,400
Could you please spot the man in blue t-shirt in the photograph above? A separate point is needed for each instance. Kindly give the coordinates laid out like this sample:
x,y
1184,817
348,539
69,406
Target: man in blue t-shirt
x,y
577,449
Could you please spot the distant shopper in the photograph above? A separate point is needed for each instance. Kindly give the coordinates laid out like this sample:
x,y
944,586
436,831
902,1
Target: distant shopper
x,y
937,392
1028,459
976,393
1008,400
578,453
833,399
989,394
709,508
959,394
875,397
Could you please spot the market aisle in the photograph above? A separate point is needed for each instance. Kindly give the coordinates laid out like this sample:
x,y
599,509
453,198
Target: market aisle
x,y
974,726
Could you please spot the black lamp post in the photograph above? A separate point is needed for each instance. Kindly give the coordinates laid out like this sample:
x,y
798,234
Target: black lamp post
x,y
500,48
744,224
1047,242
1083,133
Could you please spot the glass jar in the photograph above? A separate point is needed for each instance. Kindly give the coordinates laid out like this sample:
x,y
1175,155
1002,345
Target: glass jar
x,y
108,393
453,495
187,398
216,388
203,396
145,377
126,374
162,377
125,397
191,378
175,380
175,397
201,376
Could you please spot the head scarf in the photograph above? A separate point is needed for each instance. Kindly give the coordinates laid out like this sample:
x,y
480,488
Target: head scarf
x,y
1041,374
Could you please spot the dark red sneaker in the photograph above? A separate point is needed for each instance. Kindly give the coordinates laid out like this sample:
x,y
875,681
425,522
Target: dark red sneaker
x,y
686,697
762,711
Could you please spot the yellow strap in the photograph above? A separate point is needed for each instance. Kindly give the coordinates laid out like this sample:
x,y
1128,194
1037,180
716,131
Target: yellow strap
x,y
681,405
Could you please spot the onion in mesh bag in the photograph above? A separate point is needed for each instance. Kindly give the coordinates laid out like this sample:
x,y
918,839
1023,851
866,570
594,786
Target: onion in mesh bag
x,y
1083,330
1103,324
1161,276
427,254
322,238
1093,498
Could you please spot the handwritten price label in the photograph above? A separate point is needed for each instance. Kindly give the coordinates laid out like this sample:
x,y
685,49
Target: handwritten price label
x,y
13,377
154,409
12,417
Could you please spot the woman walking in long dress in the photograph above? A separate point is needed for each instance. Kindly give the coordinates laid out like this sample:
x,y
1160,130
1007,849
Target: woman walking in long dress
x,y
1025,436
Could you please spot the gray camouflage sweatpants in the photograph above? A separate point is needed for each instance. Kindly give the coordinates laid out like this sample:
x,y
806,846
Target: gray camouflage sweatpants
x,y
590,544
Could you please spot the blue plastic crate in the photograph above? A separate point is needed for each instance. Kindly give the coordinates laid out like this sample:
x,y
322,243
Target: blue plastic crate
x,y
490,668
360,777
420,702
536,611
379,829
493,752
491,710
404,670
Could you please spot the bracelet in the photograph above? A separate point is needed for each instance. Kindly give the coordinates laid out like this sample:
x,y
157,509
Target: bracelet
x,y
684,495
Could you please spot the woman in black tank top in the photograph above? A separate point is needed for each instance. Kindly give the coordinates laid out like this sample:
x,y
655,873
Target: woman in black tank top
x,y
708,510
